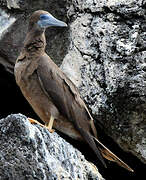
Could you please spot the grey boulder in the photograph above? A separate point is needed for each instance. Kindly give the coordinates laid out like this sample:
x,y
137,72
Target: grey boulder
x,y
30,152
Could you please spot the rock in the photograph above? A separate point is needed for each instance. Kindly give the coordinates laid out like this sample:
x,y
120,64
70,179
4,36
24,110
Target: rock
x,y
108,52
31,152
13,4
103,52
5,22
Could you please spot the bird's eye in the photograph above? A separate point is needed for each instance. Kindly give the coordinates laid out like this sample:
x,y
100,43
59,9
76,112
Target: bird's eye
x,y
43,16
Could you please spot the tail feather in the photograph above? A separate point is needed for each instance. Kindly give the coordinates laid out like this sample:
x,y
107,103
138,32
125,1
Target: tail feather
x,y
111,156
90,140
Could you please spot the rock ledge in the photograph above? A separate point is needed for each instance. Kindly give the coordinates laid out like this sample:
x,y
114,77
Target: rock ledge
x,y
31,152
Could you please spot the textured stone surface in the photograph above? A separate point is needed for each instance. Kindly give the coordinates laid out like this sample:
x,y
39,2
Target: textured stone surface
x,y
5,22
13,4
31,152
108,52
103,52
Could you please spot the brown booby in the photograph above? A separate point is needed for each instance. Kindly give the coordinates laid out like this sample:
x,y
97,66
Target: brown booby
x,y
52,95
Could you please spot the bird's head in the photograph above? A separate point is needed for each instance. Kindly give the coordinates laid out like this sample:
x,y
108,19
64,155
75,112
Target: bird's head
x,y
42,19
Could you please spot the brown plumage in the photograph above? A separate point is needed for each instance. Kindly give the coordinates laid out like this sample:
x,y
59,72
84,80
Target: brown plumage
x,y
50,93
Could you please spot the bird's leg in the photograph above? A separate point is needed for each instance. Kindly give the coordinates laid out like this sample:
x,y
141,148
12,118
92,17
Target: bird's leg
x,y
49,125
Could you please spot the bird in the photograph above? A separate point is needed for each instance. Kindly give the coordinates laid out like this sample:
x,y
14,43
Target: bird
x,y
52,95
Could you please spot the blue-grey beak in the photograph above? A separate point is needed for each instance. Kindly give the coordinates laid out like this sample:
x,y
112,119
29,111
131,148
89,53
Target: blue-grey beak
x,y
47,20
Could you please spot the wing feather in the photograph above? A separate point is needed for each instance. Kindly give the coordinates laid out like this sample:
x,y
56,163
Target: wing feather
x,y
63,93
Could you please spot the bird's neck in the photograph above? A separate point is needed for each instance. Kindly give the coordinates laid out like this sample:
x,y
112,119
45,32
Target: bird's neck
x,y
35,43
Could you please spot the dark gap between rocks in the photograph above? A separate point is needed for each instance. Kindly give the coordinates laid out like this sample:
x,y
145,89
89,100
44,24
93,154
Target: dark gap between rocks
x,y
11,98
12,101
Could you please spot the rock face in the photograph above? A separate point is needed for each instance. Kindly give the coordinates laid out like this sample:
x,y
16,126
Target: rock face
x,y
103,52
31,152
107,61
